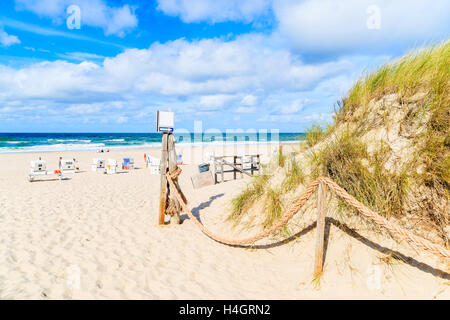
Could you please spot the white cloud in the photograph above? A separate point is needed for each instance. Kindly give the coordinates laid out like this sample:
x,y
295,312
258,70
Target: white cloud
x,y
249,100
210,67
330,26
342,25
294,107
214,11
95,13
214,102
81,56
122,119
299,119
7,40
190,77
246,109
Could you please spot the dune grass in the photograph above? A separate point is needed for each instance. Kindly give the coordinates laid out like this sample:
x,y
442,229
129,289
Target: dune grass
x,y
281,157
273,207
314,134
294,176
243,202
423,70
345,158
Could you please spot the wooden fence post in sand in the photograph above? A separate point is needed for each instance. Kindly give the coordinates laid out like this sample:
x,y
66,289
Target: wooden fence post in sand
x,y
173,201
168,203
164,187
320,233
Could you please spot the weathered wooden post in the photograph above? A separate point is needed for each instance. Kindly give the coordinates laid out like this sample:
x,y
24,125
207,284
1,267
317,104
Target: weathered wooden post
x,y
168,204
173,201
235,163
221,169
320,233
164,185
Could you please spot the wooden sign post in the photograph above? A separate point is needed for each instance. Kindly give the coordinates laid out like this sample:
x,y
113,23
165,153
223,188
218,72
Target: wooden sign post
x,y
168,203
164,185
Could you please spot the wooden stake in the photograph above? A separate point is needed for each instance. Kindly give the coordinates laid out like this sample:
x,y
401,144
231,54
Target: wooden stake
x,y
320,233
221,169
172,166
234,171
164,187
215,170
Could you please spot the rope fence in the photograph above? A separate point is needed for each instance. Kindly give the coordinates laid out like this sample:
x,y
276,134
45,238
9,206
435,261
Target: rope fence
x,y
325,183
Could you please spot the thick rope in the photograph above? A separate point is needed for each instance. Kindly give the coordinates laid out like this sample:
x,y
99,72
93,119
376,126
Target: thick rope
x,y
393,228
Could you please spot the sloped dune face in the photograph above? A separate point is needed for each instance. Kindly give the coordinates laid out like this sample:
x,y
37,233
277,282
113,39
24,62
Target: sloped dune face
x,y
401,115
389,147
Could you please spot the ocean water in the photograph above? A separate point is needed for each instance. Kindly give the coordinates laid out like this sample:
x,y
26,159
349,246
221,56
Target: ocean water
x,y
57,142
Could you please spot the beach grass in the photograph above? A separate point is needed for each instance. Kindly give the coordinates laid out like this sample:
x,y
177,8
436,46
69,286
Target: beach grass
x,y
344,156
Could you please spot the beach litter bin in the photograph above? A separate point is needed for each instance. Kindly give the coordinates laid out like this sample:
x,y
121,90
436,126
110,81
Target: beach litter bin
x,y
203,167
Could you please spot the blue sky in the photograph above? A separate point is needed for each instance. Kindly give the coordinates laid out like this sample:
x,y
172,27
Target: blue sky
x,y
261,64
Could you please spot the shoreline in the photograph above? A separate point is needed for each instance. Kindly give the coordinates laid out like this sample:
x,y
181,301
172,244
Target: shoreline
x,y
154,146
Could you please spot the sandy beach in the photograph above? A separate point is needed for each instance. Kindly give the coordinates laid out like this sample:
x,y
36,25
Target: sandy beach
x,y
95,236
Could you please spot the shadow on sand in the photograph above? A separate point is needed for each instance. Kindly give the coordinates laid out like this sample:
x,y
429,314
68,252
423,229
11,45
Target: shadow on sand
x,y
196,211
343,227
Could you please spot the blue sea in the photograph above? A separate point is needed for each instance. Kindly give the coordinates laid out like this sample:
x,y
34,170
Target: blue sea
x,y
57,142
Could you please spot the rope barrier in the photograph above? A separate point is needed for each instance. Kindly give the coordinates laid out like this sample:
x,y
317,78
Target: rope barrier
x,y
400,232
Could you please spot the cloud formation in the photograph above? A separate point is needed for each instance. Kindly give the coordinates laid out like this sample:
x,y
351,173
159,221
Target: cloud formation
x,y
95,13
206,67
330,26
7,40
214,11
360,25
206,75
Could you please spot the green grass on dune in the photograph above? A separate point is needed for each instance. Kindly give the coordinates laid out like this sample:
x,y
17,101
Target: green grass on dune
x,y
424,71
345,158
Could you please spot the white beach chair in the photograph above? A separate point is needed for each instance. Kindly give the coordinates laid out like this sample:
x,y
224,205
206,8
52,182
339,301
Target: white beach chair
x,y
98,164
154,164
67,165
39,169
111,166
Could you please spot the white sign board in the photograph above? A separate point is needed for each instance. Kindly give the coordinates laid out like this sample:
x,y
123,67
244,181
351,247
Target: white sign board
x,y
165,121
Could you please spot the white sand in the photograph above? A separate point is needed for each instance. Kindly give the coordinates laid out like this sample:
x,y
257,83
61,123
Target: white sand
x,y
101,229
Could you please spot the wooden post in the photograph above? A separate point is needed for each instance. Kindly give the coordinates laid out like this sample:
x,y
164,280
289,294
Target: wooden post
x,y
221,169
215,170
320,233
164,187
258,164
172,166
241,166
234,170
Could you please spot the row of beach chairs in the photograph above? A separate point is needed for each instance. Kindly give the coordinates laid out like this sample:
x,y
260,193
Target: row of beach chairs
x,y
108,166
38,168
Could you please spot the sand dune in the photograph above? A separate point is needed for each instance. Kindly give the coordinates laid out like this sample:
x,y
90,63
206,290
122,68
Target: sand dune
x,y
95,236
